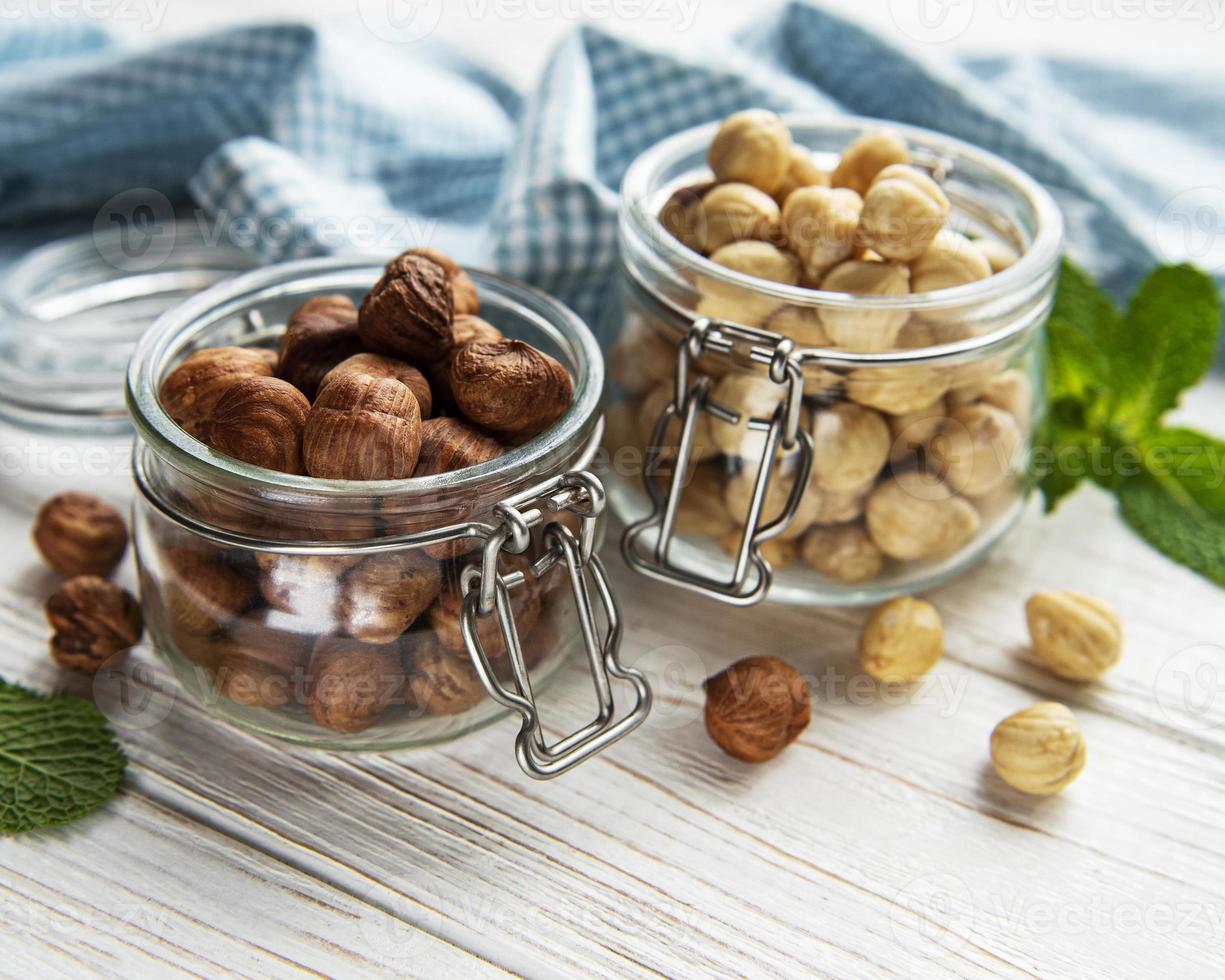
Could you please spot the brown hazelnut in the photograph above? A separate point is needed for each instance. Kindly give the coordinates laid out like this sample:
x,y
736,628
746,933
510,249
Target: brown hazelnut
x,y
451,444
191,390
259,668
260,421
363,428
756,708
320,334
381,366
78,534
444,617
464,296
350,684
510,386
203,593
441,682
307,586
94,620
383,595
408,312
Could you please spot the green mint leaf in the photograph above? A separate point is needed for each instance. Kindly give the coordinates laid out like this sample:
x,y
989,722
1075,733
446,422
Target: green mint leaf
x,y
1168,339
1160,514
1191,464
1082,328
58,760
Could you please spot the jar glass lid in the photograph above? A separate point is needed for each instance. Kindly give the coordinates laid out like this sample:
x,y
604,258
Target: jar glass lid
x,y
72,311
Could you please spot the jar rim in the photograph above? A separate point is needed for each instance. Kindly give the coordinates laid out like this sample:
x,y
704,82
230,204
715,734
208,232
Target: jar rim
x,y
163,342
640,225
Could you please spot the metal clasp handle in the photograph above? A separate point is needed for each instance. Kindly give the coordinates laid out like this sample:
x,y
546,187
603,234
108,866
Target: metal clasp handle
x,y
488,592
752,574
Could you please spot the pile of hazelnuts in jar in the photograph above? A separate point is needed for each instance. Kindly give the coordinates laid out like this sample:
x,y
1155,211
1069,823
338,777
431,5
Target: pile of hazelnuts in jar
x,y
413,383
910,462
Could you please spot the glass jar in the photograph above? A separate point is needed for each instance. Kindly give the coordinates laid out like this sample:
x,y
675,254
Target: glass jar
x,y
375,615
838,449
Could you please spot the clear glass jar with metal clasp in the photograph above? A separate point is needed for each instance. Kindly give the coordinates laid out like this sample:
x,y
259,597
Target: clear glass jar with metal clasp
x,y
377,615
764,441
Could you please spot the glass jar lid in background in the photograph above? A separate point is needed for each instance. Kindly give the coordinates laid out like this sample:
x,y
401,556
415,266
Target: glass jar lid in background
x,y
72,311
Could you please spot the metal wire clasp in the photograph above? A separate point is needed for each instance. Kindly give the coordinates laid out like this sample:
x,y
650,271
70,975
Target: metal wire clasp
x,y
487,592
752,574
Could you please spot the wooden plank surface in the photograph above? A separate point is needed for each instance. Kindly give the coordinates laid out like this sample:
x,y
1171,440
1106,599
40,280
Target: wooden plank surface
x,y
879,845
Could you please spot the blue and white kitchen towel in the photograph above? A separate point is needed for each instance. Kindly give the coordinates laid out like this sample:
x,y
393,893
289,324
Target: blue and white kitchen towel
x,y
292,141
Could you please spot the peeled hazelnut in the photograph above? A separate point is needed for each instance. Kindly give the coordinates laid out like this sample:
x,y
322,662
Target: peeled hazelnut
x,y
975,448
510,386
641,358
843,552
1039,750
802,324
901,641
802,171
868,331
753,147
94,620
260,421
897,390
363,428
779,552
756,708
734,212
753,396
910,516
408,312
741,304
997,254
816,506
381,366
682,215
465,300
190,391
903,211
1077,636
1012,392
850,446
351,684
203,593
449,444
914,431
866,157
950,260
383,596
917,333
78,534
441,682
652,407
701,511
819,224
320,334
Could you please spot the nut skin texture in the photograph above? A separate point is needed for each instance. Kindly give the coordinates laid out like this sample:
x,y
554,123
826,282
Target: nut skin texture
x,y
734,212
78,534
525,601
94,621
753,147
819,224
903,212
203,593
466,330
867,331
901,641
449,444
260,421
951,260
850,446
465,300
1077,636
975,448
351,684
383,596
868,156
649,411
843,552
259,669
510,386
408,312
190,392
363,428
756,708
321,333
441,682
381,366
802,171
1039,750
910,517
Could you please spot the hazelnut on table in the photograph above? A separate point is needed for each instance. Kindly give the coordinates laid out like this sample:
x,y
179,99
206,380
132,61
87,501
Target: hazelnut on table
x,y
756,708
94,621
901,641
1078,637
1039,750
78,534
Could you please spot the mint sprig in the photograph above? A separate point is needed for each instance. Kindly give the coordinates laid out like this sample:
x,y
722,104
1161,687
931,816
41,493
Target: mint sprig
x,y
58,759
1112,377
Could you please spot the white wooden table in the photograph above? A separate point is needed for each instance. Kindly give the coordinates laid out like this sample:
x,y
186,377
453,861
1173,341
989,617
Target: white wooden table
x,y
880,844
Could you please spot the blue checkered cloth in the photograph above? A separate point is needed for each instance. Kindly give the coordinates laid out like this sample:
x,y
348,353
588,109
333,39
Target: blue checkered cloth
x,y
322,143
